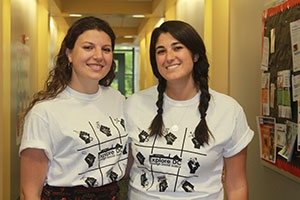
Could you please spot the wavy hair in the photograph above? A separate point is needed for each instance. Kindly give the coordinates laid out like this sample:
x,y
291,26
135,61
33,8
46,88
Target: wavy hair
x,y
189,37
60,76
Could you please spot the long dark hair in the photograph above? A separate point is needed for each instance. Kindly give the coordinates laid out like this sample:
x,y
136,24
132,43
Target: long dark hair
x,y
60,76
189,37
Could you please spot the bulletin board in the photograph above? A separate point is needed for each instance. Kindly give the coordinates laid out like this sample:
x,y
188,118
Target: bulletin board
x,y
279,123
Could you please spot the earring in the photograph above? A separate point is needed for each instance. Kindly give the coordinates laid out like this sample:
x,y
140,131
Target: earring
x,y
69,66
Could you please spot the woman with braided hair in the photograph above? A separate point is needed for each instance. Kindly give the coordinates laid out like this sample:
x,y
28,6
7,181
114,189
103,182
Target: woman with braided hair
x,y
181,131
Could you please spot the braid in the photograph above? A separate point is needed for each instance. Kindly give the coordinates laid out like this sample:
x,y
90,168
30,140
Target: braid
x,y
189,37
202,131
157,124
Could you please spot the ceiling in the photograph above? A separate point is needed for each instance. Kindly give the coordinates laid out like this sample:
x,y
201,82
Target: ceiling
x,y
118,13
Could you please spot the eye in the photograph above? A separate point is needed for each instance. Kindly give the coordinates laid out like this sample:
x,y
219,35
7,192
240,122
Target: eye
x,y
178,47
88,47
160,51
107,49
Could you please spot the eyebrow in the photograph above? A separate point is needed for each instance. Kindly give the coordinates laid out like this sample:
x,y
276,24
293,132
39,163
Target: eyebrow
x,y
92,43
173,44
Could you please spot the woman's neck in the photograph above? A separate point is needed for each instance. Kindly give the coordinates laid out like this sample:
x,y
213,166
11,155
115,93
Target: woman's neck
x,y
181,91
87,88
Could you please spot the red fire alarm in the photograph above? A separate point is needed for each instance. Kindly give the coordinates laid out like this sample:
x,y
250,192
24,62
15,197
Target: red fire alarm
x,y
24,38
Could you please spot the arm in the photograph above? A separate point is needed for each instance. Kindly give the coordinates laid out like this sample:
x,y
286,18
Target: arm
x,y
34,166
129,161
236,186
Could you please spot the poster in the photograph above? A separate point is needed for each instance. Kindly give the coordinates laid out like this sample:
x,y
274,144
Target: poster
x,y
280,131
265,56
284,94
295,44
265,98
266,127
291,134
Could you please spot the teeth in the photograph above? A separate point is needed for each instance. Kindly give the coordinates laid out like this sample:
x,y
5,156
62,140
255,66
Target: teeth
x,y
95,66
170,67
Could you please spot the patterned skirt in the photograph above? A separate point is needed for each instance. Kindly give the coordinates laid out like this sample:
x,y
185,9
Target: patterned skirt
x,y
106,192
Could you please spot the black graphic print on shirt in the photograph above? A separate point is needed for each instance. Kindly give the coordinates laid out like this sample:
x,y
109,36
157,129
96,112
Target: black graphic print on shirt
x,y
162,160
168,155
86,137
102,146
187,186
170,137
193,165
143,136
163,185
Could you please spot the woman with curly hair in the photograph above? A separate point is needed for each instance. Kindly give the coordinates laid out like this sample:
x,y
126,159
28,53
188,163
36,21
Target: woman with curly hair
x,y
74,142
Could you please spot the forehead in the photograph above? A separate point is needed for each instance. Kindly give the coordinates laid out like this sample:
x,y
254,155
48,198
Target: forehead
x,y
94,35
166,39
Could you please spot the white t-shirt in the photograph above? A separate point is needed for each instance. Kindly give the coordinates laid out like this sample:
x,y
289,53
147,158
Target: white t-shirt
x,y
174,166
83,136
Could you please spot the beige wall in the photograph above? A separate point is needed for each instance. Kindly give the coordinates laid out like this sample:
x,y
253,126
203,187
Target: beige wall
x,y
191,11
5,100
244,84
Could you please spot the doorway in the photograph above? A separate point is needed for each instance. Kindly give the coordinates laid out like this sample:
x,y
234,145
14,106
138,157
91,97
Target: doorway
x,y
124,80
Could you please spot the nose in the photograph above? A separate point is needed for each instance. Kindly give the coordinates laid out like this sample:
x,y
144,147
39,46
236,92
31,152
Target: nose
x,y
170,55
97,53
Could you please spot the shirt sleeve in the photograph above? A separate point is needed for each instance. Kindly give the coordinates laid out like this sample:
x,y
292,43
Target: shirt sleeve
x,y
241,135
36,133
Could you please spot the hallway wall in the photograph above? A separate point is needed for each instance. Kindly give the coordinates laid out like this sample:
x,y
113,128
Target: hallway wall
x,y
23,70
5,99
244,85
242,81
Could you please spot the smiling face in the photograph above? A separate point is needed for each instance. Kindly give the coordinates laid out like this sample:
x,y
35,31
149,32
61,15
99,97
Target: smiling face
x,y
91,59
174,60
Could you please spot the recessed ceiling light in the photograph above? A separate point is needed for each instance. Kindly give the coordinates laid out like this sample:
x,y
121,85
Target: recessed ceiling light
x,y
128,36
138,16
75,15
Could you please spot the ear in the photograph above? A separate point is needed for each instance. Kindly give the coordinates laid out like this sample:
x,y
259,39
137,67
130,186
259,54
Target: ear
x,y
195,57
69,55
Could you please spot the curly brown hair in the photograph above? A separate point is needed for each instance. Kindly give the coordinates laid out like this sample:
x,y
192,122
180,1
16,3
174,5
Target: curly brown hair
x,y
60,76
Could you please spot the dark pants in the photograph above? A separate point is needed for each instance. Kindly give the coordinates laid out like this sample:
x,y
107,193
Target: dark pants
x,y
106,192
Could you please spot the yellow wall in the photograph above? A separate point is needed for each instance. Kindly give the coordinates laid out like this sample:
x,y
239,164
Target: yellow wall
x,y
170,9
143,63
36,21
219,45
43,39
146,77
207,34
23,69
5,100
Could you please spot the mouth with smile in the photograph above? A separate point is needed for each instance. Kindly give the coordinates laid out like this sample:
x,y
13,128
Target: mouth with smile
x,y
169,67
95,66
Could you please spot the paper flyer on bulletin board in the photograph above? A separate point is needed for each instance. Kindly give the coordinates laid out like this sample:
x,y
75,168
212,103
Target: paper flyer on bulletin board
x,y
266,127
